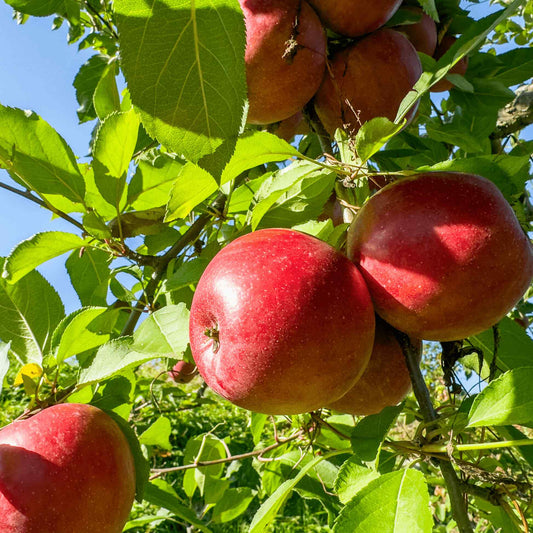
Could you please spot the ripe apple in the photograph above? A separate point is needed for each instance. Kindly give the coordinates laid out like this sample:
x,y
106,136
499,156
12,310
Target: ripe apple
x,y
270,308
183,372
443,254
366,80
285,57
66,469
386,380
459,68
423,34
355,17
288,128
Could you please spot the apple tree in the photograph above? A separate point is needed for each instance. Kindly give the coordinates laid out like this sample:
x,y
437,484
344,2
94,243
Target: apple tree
x,y
241,121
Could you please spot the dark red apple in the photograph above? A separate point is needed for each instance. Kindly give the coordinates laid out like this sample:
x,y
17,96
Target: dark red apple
x,y
183,372
443,254
285,57
423,34
66,469
366,80
288,128
270,308
459,68
386,380
355,17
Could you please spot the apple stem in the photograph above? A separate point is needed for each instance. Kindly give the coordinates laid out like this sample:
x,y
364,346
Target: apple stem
x,y
213,334
457,496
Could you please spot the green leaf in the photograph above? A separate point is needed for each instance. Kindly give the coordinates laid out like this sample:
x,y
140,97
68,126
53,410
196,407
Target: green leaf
x,y
192,187
37,8
188,81
353,477
514,349
396,503
506,400
516,66
142,468
429,7
233,504
158,434
82,333
106,99
161,494
37,157
36,250
303,200
30,310
113,149
166,331
152,182
373,135
270,508
4,362
187,274
370,432
257,148
257,424
89,275
470,40
85,83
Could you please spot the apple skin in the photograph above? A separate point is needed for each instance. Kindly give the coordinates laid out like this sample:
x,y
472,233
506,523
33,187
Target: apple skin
x,y
459,68
294,125
67,469
374,75
279,87
443,254
282,302
423,34
386,380
355,17
183,372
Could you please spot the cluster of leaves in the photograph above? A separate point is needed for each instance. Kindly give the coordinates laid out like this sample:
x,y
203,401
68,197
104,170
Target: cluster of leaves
x,y
174,175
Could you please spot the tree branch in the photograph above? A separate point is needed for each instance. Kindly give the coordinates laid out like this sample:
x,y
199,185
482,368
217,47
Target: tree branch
x,y
29,196
457,499
256,453
516,115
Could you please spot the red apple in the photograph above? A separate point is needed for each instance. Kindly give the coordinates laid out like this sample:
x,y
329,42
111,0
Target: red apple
x,y
285,57
66,469
459,68
183,372
366,80
268,310
355,17
423,34
443,254
288,128
386,380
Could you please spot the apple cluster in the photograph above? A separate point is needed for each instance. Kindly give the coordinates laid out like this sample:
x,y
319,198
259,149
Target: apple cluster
x,y
69,468
283,323
369,71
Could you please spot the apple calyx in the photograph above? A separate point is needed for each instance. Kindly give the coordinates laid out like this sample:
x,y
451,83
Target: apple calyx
x,y
214,335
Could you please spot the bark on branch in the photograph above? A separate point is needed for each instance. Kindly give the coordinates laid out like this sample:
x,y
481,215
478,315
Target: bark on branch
x,y
516,115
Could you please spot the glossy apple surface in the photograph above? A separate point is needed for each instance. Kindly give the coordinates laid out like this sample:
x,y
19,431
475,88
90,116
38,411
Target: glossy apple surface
x,y
294,125
386,380
366,80
268,310
281,79
66,469
183,372
355,17
422,34
459,68
443,254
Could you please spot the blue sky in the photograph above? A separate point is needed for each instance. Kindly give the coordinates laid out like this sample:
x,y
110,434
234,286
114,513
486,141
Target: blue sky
x,y
37,68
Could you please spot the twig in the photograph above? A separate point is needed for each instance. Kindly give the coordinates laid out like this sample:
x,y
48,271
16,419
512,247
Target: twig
x,y
316,125
29,196
457,500
256,453
105,22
